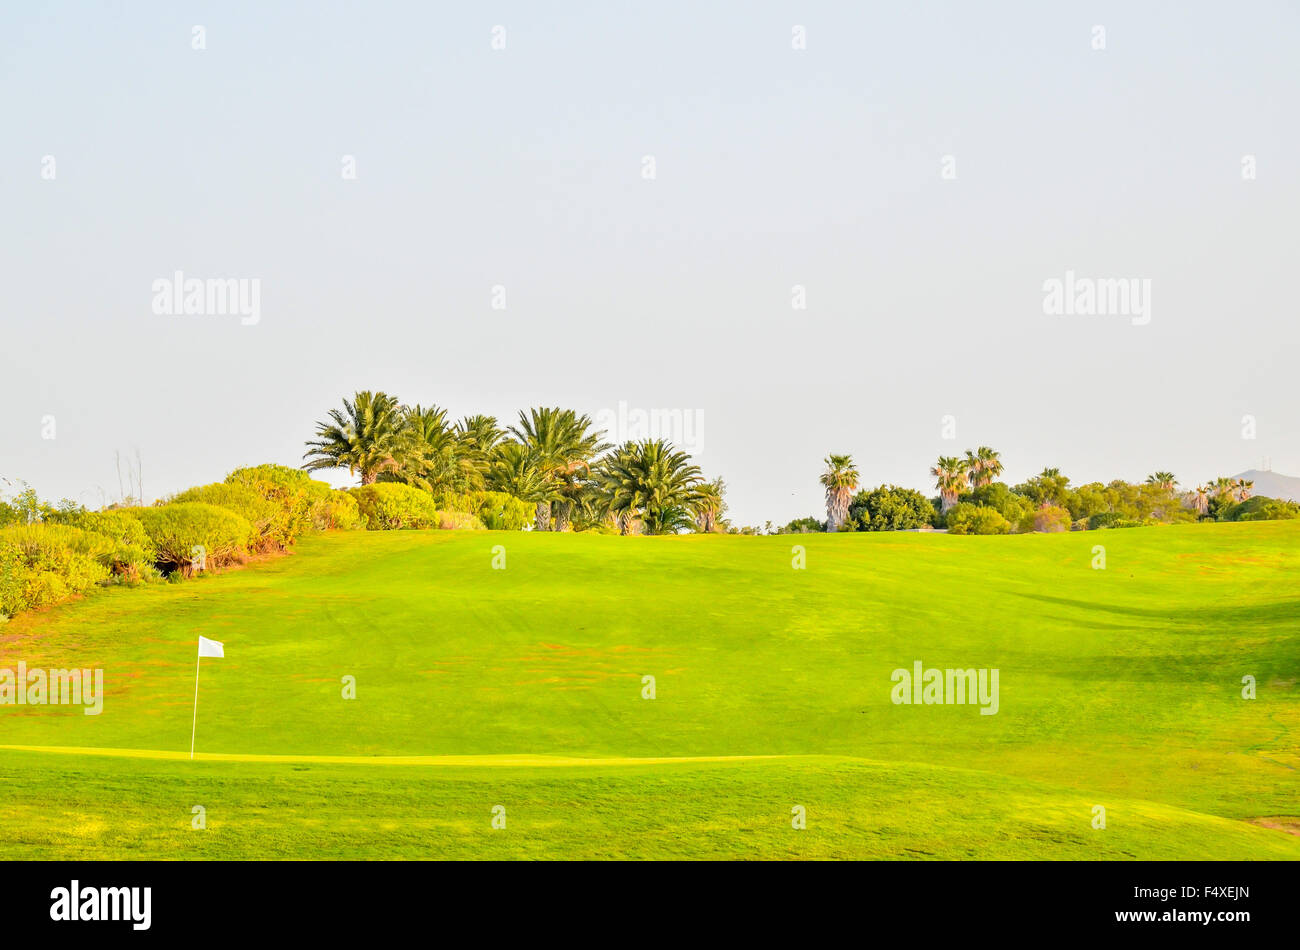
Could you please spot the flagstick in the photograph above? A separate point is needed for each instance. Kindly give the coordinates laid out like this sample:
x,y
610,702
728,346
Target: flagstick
x,y
195,723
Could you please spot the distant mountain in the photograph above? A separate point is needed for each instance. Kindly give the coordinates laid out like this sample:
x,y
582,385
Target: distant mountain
x,y
1273,485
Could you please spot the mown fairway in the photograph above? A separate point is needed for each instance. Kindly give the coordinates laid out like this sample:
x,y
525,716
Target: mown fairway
x,y
1119,687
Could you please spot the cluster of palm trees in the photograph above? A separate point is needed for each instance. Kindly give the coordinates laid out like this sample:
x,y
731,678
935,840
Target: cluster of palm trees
x,y
953,474
1232,489
552,457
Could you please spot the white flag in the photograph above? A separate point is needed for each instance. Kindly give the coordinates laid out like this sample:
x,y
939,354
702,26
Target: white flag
x,y
211,647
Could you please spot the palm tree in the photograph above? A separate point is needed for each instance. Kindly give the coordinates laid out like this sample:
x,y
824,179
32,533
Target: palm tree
x,y
364,438
841,481
950,478
708,505
1201,499
429,453
1164,480
1245,488
1225,486
983,465
478,437
513,470
649,485
564,445
620,495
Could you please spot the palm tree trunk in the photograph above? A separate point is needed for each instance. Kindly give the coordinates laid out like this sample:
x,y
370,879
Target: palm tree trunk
x,y
562,514
368,478
542,520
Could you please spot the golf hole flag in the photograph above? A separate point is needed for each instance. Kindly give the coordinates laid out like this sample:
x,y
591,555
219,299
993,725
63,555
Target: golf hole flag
x,y
206,648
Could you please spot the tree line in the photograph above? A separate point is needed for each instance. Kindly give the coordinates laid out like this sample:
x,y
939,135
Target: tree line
x,y
552,458
971,500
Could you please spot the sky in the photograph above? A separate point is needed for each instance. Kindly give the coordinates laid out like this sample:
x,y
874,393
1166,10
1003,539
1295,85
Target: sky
x,y
789,228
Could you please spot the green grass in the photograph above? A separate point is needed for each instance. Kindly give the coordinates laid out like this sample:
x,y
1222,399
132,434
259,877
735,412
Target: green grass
x,y
1119,688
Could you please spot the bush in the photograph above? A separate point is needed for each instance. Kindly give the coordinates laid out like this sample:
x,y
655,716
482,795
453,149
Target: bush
x,y
1111,519
334,511
1048,518
270,521
390,506
185,532
810,525
1261,508
133,554
459,521
890,508
312,505
292,489
497,510
1008,504
965,518
41,564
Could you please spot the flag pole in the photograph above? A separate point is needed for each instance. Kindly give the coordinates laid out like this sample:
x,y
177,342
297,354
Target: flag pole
x,y
195,723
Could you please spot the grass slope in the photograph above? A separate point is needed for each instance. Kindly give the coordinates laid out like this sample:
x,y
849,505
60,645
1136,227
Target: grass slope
x,y
1119,687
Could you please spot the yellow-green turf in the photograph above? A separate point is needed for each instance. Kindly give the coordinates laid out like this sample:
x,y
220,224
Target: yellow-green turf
x,y
522,687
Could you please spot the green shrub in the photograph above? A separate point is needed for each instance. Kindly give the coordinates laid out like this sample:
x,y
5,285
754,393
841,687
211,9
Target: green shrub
x,y
1048,518
809,525
42,564
497,510
1111,519
389,506
184,532
310,504
269,520
966,518
334,510
459,521
1007,503
292,489
12,578
890,508
133,556
1261,508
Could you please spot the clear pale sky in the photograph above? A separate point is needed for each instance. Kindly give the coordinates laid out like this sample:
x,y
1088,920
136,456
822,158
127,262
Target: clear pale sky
x,y
775,167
